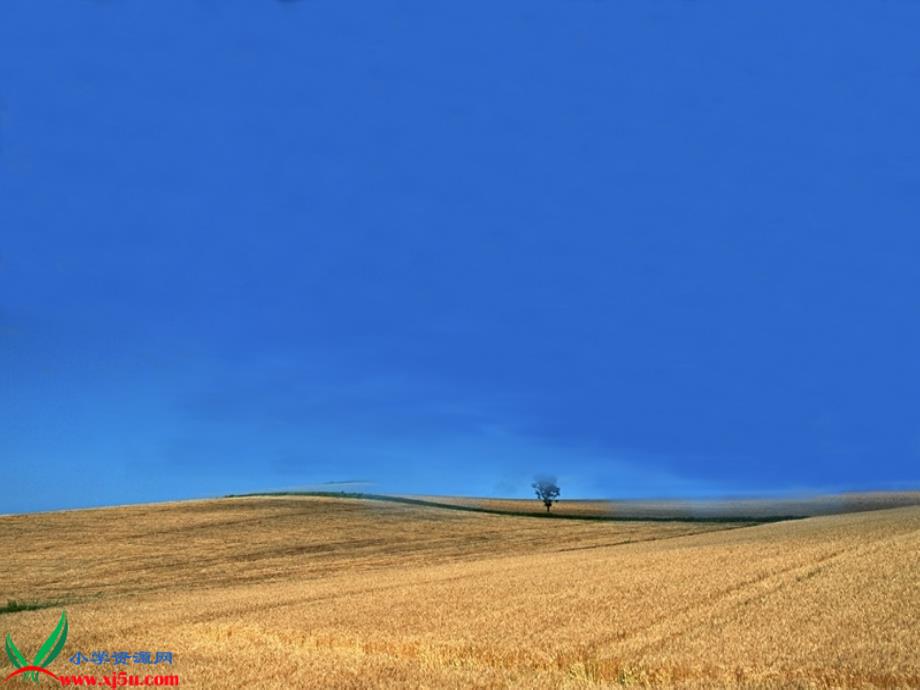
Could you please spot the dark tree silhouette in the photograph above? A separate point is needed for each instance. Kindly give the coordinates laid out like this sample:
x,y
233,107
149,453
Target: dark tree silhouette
x,y
547,490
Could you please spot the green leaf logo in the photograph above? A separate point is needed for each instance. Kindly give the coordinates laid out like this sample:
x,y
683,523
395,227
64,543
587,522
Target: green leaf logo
x,y
14,654
47,653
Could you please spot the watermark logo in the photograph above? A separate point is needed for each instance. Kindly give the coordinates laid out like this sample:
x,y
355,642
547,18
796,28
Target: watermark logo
x,y
47,653
118,678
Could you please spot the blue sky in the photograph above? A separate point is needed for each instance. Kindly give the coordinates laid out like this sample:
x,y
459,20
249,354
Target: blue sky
x,y
656,248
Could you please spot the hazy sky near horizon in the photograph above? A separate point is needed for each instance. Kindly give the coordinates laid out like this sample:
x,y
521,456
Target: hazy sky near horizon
x,y
656,248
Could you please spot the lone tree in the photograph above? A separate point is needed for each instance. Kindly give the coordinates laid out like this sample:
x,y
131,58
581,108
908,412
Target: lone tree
x,y
547,490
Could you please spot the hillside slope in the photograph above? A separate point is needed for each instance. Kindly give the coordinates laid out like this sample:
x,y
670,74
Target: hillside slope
x,y
323,592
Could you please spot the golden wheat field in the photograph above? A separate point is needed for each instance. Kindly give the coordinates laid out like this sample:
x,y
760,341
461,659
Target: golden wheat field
x,y
307,592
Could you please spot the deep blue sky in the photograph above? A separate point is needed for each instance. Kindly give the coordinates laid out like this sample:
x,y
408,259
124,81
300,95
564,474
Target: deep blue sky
x,y
656,247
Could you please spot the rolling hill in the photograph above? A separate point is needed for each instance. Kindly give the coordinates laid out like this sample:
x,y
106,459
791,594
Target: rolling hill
x,y
323,591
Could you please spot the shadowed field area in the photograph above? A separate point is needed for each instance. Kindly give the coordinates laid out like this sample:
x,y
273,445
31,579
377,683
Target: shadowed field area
x,y
717,509
326,592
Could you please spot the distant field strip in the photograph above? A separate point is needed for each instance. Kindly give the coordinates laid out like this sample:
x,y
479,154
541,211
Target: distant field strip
x,y
741,510
713,510
571,510
331,592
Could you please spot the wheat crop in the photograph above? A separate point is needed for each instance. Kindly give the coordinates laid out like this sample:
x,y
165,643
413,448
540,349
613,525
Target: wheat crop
x,y
307,592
